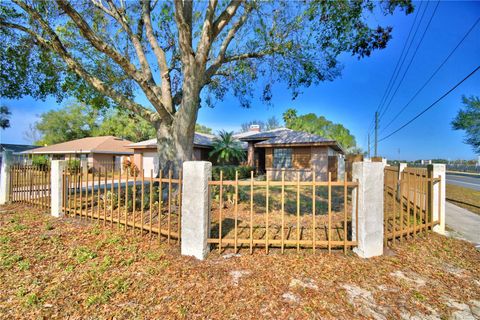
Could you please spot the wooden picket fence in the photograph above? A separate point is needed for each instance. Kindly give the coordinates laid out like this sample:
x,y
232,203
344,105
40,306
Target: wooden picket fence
x,y
131,200
408,203
299,214
30,184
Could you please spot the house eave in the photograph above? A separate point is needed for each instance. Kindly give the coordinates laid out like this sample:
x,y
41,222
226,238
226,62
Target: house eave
x,y
80,152
305,144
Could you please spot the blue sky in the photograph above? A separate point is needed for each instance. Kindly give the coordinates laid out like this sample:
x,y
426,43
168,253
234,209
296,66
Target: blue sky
x,y
353,98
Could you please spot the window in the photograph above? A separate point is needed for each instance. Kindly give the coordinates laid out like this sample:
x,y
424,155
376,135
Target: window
x,y
282,158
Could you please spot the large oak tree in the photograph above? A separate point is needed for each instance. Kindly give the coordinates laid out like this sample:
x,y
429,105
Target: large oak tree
x,y
163,60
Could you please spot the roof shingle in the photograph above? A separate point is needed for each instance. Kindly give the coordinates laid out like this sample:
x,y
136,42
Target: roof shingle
x,y
199,140
105,144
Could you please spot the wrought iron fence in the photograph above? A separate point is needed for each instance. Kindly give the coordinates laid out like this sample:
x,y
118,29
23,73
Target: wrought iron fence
x,y
134,201
248,213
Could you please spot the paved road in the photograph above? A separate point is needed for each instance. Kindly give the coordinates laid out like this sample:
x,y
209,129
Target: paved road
x,y
465,223
466,181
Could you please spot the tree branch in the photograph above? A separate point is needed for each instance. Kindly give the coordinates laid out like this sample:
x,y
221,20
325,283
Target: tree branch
x,y
160,55
226,42
57,46
226,16
102,46
120,18
184,33
206,38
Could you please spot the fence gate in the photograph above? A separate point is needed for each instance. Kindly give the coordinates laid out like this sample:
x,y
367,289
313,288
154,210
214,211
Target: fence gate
x,y
408,203
299,213
30,184
132,200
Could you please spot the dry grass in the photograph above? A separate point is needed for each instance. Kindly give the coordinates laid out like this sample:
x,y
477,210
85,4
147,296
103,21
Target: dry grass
x,y
67,268
464,197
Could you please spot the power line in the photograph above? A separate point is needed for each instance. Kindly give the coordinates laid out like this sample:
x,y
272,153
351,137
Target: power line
x,y
410,62
401,62
433,104
398,63
433,74
401,57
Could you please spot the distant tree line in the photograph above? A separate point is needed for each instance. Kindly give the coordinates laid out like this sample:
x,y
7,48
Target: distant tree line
x,y
77,120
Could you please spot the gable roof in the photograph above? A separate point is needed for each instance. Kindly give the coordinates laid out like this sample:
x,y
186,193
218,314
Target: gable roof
x,y
104,144
199,140
16,148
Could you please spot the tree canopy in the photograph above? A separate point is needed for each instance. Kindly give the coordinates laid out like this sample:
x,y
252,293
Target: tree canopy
x,y
468,119
77,120
203,129
124,124
271,123
74,121
4,117
162,60
312,123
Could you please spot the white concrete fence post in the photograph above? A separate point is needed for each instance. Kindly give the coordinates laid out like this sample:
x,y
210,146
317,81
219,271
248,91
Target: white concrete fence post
x,y
195,209
370,208
56,174
438,208
7,159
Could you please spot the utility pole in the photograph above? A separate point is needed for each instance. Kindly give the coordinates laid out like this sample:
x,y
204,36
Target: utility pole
x,y
376,133
368,153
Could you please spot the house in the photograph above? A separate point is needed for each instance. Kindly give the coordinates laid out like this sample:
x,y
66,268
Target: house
x,y
270,152
294,152
16,149
98,152
145,152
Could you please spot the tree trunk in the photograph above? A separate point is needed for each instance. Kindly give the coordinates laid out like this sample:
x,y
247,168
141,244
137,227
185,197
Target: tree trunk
x,y
175,140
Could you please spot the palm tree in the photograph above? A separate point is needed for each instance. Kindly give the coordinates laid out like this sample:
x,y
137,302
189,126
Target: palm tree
x,y
226,149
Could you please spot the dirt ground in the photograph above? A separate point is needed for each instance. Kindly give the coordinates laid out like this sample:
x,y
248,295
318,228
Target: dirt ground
x,y
68,268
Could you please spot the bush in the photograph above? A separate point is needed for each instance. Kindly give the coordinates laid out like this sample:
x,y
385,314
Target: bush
x,y
244,172
73,164
229,172
40,161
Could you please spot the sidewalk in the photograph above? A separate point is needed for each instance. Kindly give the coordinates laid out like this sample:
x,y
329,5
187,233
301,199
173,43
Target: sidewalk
x,y
465,223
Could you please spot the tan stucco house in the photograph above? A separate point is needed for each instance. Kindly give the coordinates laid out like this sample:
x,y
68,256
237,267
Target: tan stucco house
x,y
146,158
294,152
97,152
270,152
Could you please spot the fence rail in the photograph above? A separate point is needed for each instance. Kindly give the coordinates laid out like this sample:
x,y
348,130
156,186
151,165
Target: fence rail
x,y
30,184
408,203
281,214
133,202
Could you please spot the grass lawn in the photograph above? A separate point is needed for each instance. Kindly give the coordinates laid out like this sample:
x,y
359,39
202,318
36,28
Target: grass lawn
x,y
464,197
69,268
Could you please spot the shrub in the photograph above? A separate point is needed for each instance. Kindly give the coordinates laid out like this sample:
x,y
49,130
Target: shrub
x,y
138,198
73,164
229,172
40,161
244,172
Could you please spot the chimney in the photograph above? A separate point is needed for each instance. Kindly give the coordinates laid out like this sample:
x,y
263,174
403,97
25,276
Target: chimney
x,y
255,128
